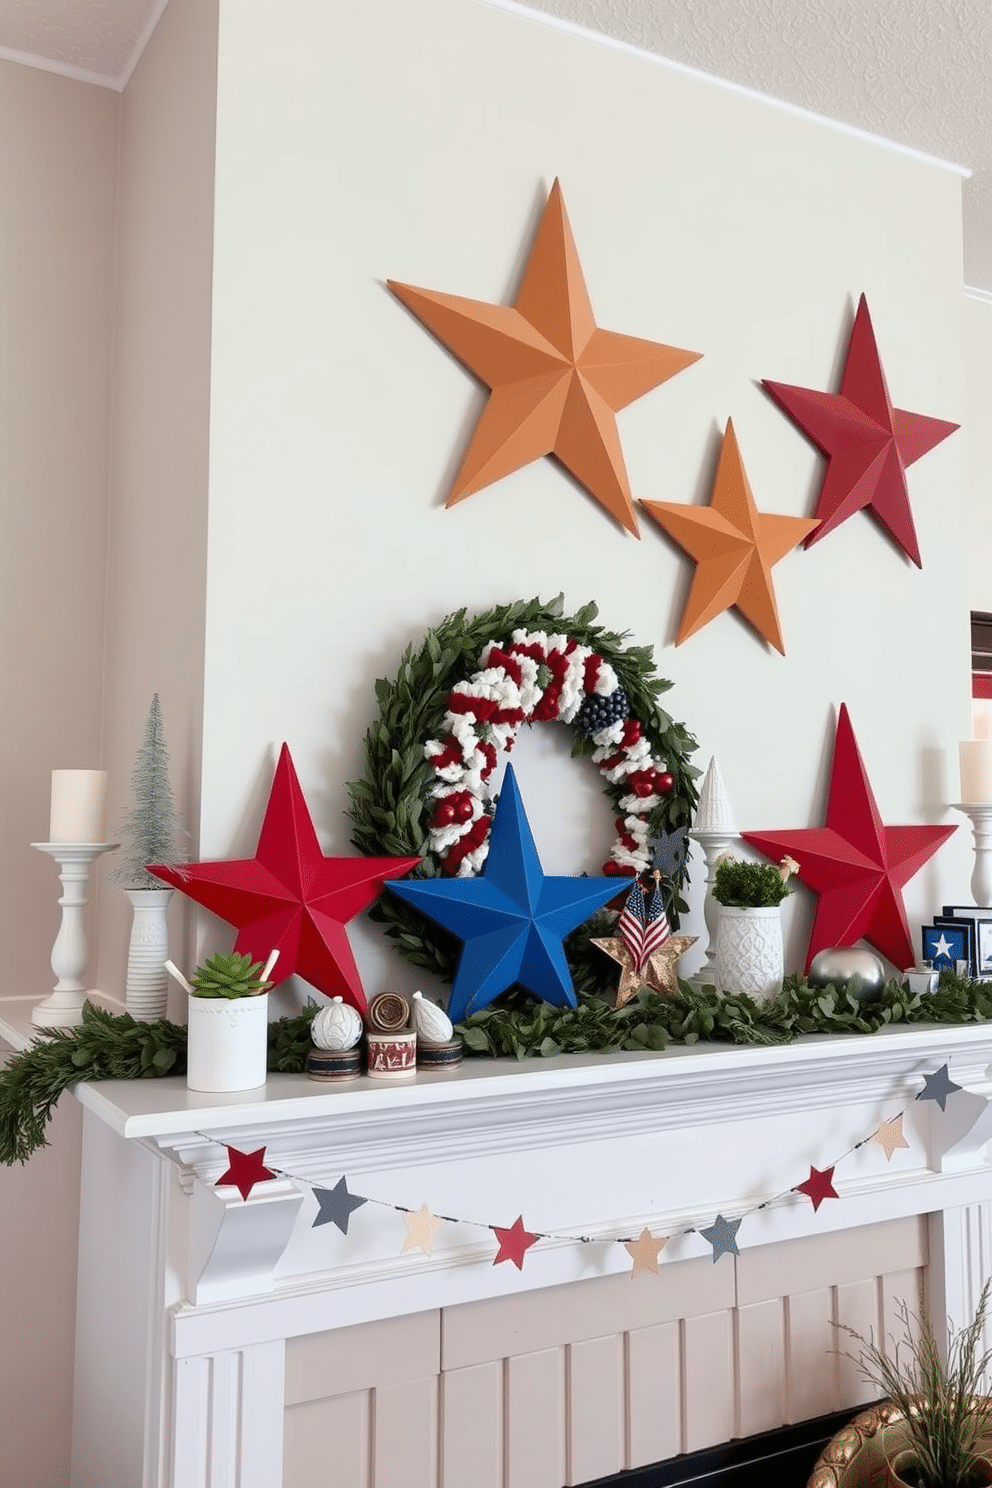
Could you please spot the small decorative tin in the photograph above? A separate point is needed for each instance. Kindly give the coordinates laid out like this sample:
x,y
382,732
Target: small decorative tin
x,y
334,1064
391,1056
389,1012
439,1056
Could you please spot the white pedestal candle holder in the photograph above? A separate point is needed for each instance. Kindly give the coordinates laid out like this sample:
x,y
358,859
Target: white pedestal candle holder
x,y
64,1008
714,845
980,813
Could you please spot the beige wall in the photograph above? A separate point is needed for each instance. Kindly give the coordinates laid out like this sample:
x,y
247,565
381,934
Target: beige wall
x,y
158,484
58,159
978,348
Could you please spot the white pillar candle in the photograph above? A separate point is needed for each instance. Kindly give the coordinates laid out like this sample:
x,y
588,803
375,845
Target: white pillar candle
x,y
975,756
79,799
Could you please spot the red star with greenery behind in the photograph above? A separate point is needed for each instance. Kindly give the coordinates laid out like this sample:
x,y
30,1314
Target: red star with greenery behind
x,y
856,865
289,897
556,379
868,443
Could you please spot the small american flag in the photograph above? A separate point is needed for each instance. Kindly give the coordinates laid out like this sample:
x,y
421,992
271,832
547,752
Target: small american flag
x,y
643,923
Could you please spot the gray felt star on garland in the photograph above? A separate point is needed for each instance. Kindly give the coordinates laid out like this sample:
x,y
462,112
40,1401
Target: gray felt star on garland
x,y
937,1087
336,1205
722,1235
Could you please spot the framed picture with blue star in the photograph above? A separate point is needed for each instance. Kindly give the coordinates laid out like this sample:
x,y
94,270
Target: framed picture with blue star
x,y
981,917
970,928
945,945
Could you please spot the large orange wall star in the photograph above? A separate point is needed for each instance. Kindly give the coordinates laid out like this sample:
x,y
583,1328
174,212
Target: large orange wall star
x,y
735,547
868,443
556,379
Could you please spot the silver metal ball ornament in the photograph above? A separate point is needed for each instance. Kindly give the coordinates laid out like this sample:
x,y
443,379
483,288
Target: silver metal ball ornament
x,y
859,972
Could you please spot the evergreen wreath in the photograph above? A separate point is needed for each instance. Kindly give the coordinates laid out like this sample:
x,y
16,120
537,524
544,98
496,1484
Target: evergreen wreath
x,y
458,700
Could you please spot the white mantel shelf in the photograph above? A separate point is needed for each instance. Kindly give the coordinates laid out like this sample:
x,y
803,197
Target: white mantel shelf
x,y
593,1145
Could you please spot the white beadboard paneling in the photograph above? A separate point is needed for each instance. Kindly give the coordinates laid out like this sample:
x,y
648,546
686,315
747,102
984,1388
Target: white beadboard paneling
x,y
857,1306
654,1394
344,1359
596,1408
761,1367
471,1425
811,1366
535,1423
329,1441
404,1435
708,1374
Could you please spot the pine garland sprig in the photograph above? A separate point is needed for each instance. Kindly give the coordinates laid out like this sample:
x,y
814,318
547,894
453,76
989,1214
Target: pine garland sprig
x,y
110,1046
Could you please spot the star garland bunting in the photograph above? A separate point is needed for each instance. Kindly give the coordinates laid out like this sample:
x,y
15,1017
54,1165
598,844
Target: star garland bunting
x,y
336,1204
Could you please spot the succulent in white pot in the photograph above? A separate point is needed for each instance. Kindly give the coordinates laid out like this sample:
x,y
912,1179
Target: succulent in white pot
x,y
227,1036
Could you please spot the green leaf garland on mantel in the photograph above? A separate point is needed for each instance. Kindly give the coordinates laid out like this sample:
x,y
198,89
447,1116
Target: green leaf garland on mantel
x,y
113,1046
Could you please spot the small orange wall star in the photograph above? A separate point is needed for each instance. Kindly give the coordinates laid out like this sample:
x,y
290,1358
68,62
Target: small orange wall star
x,y
735,547
556,379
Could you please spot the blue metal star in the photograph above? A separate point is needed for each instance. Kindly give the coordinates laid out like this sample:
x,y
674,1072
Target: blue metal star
x,y
722,1235
336,1205
511,919
937,1087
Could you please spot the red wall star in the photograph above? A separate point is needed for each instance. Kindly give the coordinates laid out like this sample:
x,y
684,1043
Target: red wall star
x,y
556,380
818,1186
514,1243
856,865
289,897
245,1170
868,443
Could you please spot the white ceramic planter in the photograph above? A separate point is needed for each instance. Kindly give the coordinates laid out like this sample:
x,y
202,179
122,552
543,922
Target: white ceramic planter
x,y
146,991
227,1042
749,951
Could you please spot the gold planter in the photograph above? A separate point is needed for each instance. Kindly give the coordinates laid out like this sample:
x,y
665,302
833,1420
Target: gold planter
x,y
859,1456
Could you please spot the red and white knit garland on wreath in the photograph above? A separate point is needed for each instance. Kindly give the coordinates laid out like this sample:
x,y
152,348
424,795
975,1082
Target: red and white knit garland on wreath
x,y
536,678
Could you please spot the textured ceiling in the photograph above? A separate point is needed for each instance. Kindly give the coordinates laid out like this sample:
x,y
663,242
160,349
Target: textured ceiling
x,y
97,39
915,71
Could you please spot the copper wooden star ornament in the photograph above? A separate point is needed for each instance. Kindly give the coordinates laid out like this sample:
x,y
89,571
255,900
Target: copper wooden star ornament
x,y
556,379
645,1250
868,443
735,547
658,973
889,1136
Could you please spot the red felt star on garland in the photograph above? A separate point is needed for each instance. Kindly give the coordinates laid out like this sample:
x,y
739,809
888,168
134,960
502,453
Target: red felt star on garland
x,y
514,1243
289,897
856,865
818,1186
245,1170
868,443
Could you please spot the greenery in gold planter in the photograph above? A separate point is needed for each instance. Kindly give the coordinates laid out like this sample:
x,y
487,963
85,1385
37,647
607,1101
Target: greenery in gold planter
x,y
947,1415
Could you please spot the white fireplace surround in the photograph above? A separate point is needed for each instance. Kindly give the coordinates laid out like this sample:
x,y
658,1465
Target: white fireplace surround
x,y
188,1294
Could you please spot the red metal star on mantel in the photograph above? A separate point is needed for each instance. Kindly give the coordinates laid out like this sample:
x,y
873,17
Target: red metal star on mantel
x,y
856,865
289,897
868,443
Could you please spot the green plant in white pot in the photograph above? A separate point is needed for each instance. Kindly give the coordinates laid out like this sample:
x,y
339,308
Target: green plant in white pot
x,y
228,1022
749,957
150,833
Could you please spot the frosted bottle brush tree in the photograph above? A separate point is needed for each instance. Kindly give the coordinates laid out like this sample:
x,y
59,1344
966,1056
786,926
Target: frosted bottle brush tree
x,y
151,831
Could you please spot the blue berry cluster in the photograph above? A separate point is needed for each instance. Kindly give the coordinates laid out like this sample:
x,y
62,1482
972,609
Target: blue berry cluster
x,y
599,712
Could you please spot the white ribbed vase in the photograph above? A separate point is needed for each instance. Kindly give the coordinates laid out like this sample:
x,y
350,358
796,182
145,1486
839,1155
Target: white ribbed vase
x,y
146,991
749,954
